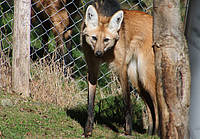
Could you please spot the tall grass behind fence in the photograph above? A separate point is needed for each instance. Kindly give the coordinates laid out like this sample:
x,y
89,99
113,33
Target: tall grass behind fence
x,y
55,50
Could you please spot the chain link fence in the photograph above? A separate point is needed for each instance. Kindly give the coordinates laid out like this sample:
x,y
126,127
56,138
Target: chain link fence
x,y
55,39
55,30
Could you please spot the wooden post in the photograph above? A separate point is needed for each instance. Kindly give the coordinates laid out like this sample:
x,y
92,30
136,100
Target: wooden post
x,y
172,70
21,47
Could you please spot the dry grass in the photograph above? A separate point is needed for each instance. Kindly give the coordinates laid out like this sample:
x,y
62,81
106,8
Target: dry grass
x,y
5,73
48,84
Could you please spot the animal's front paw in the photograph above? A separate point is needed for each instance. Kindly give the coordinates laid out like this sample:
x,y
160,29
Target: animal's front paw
x,y
87,134
88,131
127,133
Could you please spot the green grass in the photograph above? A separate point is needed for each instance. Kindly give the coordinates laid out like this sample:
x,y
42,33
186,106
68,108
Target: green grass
x,y
27,118
33,119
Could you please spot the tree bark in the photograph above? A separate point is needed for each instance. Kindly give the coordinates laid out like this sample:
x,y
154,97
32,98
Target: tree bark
x,y
172,70
21,47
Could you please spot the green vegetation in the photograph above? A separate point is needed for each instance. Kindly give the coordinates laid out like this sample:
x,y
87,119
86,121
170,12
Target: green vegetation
x,y
21,118
6,25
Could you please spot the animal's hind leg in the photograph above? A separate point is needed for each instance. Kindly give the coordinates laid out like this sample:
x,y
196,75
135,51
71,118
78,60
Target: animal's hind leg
x,y
151,107
68,59
59,44
43,52
150,121
127,100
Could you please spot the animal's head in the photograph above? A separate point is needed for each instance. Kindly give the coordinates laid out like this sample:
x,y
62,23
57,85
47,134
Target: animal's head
x,y
101,33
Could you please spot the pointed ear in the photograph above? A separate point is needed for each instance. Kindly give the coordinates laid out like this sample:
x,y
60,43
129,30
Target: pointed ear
x,y
115,21
91,17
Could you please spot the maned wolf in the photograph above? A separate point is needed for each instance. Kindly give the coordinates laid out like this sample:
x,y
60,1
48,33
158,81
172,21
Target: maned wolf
x,y
122,38
55,15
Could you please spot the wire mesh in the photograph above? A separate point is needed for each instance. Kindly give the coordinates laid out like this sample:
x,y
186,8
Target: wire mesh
x,y
55,35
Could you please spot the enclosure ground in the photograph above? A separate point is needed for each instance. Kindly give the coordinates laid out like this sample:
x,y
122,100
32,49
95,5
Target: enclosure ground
x,y
23,118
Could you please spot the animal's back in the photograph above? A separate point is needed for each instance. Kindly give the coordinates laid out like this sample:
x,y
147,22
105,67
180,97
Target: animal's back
x,y
139,51
138,25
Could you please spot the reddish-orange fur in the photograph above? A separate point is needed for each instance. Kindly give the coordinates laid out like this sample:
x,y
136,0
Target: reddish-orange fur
x,y
132,58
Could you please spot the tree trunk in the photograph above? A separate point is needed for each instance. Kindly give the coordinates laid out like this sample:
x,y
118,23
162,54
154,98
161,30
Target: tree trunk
x,y
21,47
172,70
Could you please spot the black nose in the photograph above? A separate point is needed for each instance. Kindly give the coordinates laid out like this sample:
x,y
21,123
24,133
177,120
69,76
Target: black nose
x,y
98,53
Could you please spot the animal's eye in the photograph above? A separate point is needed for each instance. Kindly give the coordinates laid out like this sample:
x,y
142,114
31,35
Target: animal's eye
x,y
94,38
106,39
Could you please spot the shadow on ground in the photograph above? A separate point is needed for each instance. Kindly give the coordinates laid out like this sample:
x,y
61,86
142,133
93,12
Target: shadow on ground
x,y
109,112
